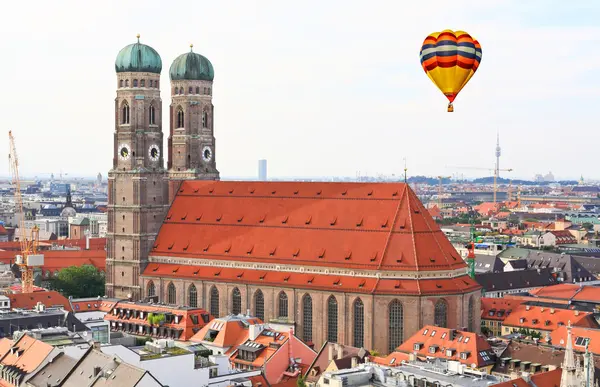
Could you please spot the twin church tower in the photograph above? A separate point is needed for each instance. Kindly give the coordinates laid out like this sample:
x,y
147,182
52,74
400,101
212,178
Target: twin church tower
x,y
140,188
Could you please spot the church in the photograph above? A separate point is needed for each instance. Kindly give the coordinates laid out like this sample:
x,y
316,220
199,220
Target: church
x,y
361,264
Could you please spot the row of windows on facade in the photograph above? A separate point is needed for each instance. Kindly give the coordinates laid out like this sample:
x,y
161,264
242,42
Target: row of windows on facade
x,y
181,118
181,91
142,83
125,117
395,313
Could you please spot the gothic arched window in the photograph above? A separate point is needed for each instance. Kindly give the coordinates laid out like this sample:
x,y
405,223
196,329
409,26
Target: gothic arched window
x,y
143,83
209,91
259,305
151,289
121,83
214,301
125,113
471,315
204,119
236,301
359,323
307,318
441,314
135,83
176,91
171,294
332,320
180,118
395,325
181,90
192,296
151,82
283,305
152,115
190,90
197,90
127,83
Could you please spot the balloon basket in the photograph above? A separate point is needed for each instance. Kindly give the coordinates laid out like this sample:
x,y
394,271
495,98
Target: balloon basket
x,y
450,108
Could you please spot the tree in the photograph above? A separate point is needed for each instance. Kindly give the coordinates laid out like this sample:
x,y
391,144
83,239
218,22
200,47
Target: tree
x,y
300,381
78,281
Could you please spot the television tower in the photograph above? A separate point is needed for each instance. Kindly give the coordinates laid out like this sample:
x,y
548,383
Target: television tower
x,y
498,153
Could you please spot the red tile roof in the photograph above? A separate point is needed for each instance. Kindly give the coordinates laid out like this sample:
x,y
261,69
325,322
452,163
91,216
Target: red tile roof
x,y
563,237
95,244
544,379
3,230
436,341
457,285
230,331
548,318
48,298
348,225
26,353
497,308
55,260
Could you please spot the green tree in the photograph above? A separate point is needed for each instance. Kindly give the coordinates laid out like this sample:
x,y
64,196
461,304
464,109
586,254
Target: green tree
x,y
300,381
78,281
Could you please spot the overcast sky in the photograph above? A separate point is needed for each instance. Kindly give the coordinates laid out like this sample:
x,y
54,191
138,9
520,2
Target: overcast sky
x,y
316,87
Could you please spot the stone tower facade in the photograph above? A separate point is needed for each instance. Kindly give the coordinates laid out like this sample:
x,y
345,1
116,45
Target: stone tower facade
x,y
191,136
137,189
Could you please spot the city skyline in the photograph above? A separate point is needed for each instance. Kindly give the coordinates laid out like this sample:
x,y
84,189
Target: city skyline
x,y
281,94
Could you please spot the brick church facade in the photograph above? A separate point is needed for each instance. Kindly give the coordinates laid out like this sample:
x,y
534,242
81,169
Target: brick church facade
x,y
359,264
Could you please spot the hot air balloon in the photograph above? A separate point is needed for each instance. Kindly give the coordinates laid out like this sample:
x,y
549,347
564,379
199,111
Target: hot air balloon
x,y
450,58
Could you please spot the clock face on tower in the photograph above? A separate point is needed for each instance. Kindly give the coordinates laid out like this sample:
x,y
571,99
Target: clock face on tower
x,y
206,154
154,152
124,152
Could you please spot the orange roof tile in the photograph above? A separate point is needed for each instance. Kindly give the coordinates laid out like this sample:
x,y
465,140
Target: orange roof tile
x,y
439,286
48,298
497,308
559,338
26,353
348,225
547,318
436,342
55,260
545,379
229,330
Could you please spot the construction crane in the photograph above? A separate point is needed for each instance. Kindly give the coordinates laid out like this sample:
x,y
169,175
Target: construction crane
x,y
496,170
29,257
441,178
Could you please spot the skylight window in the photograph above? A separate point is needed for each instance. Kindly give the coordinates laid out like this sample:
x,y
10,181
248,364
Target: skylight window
x,y
433,333
425,332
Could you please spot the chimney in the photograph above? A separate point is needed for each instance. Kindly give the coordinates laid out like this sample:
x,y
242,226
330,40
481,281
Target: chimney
x,y
96,345
551,310
87,240
330,349
254,330
354,362
527,307
452,334
340,351
576,313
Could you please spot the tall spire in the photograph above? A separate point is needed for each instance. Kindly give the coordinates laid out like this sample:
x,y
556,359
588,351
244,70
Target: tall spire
x,y
569,366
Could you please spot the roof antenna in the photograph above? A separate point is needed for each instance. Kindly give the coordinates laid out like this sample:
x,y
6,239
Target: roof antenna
x,y
405,180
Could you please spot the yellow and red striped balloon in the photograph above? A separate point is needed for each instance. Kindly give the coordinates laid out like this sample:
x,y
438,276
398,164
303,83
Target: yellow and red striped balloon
x,y
450,58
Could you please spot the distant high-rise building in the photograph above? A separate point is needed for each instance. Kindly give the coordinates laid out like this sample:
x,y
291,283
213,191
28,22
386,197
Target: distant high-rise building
x,y
498,153
262,170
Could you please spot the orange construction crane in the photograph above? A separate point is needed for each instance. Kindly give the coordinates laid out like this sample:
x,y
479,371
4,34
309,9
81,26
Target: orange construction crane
x,y
29,257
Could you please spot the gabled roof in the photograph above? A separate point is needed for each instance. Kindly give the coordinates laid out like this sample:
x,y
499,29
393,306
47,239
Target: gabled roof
x,y
545,379
436,342
226,331
55,260
26,353
347,225
498,308
48,298
548,318
322,360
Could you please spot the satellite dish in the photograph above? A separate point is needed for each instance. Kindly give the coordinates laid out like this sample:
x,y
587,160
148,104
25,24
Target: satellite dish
x,y
85,333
